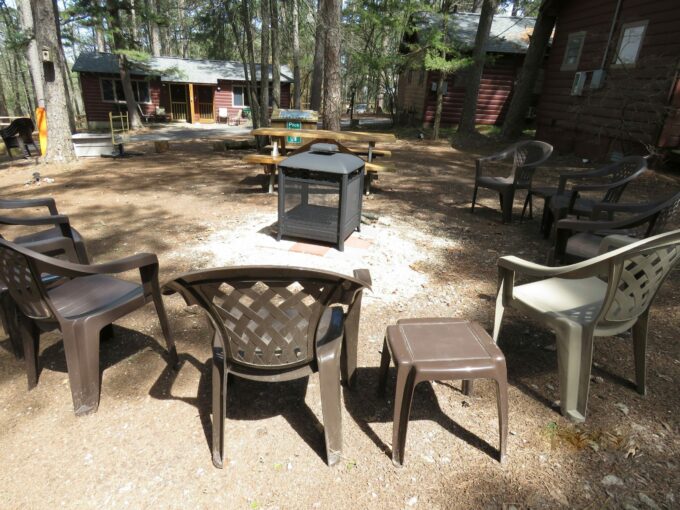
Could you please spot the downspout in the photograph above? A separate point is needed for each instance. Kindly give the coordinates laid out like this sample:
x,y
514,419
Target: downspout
x,y
611,33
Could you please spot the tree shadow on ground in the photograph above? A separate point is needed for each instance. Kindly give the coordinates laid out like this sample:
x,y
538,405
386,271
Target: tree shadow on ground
x,y
247,401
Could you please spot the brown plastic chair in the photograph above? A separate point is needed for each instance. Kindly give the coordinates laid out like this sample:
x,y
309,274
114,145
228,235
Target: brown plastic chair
x,y
611,180
577,240
80,308
526,157
19,135
275,323
440,349
603,296
59,240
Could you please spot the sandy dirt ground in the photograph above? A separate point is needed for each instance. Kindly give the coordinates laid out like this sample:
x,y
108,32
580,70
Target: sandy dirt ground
x,y
148,445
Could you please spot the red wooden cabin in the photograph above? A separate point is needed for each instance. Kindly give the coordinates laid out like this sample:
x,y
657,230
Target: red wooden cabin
x,y
611,82
508,42
191,90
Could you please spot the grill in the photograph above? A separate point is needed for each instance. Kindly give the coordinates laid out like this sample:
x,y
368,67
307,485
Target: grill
x,y
320,195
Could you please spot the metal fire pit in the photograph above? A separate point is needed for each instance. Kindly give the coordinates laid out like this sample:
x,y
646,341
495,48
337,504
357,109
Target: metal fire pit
x,y
320,195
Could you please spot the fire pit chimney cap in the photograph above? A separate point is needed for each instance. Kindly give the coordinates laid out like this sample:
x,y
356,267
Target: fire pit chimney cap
x,y
324,148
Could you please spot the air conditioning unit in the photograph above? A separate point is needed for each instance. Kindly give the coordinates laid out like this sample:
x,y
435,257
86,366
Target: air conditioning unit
x,y
579,83
597,80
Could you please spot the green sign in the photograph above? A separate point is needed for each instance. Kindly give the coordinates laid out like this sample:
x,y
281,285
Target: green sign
x,y
293,125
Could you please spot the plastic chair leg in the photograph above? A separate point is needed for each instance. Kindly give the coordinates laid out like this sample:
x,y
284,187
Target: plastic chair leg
x,y
508,197
81,346
219,404
474,199
403,398
331,408
640,329
468,387
165,327
385,359
348,355
9,315
498,317
527,201
574,361
502,402
30,336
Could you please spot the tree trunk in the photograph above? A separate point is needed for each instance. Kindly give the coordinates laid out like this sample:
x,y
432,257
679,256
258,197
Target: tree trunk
x,y
440,105
332,79
252,84
276,64
120,44
100,39
60,146
134,28
3,101
469,113
154,32
318,70
184,36
32,55
521,95
264,64
297,91
515,7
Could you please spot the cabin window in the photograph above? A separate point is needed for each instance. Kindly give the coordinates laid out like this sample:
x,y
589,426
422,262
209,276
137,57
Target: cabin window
x,y
630,43
572,54
112,91
240,96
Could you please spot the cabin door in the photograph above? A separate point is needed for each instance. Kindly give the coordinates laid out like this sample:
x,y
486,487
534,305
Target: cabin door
x,y
204,107
179,102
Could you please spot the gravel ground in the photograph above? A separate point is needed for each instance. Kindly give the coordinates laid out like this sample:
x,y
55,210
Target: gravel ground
x,y
149,443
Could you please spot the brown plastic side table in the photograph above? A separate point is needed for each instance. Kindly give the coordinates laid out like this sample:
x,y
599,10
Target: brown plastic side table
x,y
440,349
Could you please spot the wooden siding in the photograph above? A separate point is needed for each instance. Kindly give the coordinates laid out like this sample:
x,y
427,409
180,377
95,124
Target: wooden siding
x,y
97,110
494,93
636,104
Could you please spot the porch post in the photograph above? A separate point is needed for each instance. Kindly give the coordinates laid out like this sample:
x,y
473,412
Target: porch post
x,y
190,116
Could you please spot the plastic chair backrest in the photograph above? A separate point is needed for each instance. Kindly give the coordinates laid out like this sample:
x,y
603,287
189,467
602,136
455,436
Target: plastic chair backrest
x,y
23,281
642,270
527,156
620,172
222,113
268,315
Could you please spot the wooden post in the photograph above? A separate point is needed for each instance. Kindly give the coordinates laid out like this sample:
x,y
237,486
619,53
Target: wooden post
x,y
190,113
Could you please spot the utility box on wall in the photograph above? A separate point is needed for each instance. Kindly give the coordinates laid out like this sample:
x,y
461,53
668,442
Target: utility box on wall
x,y
579,83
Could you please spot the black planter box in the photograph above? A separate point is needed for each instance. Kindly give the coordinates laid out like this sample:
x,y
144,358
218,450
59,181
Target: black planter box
x,y
320,195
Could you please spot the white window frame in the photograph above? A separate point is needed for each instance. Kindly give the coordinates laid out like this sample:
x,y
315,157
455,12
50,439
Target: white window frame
x,y
573,66
244,93
634,24
122,101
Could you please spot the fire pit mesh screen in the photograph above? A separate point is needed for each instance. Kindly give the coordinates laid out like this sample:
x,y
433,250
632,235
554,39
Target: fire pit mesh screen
x,y
312,203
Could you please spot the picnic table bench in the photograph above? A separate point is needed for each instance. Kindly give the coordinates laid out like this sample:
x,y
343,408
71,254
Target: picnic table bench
x,y
279,136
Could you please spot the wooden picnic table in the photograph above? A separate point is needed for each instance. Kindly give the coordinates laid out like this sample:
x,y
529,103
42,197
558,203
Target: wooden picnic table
x,y
280,134
311,134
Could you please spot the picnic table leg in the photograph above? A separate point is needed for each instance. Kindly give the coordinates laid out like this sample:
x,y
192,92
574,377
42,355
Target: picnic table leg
x,y
271,169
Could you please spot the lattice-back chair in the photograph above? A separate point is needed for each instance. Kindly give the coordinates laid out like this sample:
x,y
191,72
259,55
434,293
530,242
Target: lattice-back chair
x,y
19,135
603,296
610,180
81,306
274,323
526,157
580,239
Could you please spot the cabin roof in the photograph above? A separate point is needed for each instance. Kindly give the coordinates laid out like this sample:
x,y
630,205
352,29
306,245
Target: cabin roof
x,y
173,69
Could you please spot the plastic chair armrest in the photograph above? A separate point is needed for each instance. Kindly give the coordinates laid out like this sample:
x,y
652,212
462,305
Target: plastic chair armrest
x,y
585,269
30,202
329,344
609,207
56,219
364,276
72,270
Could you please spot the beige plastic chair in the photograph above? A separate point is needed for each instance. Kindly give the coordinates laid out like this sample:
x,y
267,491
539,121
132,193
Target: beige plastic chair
x,y
223,113
602,296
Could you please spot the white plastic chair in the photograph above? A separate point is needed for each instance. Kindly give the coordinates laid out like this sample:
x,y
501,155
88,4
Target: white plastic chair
x,y
222,113
602,296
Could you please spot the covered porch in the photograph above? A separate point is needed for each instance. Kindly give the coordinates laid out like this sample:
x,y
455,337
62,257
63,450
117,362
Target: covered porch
x,y
190,102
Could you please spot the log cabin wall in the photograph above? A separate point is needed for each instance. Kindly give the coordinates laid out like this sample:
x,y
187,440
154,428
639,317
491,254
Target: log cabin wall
x,y
637,105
